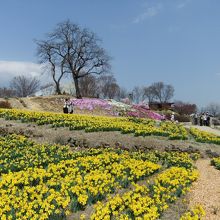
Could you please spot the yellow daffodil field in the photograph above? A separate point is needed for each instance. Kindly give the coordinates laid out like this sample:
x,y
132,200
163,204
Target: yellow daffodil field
x,y
44,181
216,162
195,213
138,127
88,123
204,137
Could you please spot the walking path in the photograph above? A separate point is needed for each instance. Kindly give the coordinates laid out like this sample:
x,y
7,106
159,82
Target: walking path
x,y
206,190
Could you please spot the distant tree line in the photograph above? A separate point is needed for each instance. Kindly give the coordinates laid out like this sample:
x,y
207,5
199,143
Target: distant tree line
x,y
213,109
24,86
156,92
7,92
21,86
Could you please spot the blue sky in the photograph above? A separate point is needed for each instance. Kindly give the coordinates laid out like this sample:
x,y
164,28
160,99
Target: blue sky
x,y
175,41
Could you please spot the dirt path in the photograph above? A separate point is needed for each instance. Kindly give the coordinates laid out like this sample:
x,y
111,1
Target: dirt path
x,y
206,191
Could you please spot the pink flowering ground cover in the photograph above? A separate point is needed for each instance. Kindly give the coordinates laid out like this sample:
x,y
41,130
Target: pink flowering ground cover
x,y
91,104
155,115
113,108
143,111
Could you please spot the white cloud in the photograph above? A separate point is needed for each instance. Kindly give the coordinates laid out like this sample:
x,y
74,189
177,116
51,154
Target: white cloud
x,y
150,11
10,69
183,4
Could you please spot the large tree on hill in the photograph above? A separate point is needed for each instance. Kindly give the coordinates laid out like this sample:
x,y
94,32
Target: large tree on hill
x,y
80,51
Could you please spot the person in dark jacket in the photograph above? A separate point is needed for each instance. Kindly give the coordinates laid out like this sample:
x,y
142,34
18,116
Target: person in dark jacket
x,y
65,107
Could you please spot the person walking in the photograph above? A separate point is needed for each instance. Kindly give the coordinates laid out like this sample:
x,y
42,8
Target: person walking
x,y
172,118
204,119
196,118
70,108
201,119
208,119
65,107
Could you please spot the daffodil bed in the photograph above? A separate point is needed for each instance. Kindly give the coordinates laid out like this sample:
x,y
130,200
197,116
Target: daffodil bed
x,y
204,137
18,153
139,127
195,213
50,182
216,162
147,202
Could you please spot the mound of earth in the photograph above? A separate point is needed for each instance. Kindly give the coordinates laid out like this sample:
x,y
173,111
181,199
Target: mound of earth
x,y
93,106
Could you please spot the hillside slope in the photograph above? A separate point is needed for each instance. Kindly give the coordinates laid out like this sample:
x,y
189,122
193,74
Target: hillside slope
x,y
107,107
47,103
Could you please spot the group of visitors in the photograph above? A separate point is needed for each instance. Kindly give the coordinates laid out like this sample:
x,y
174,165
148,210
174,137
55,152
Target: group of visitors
x,y
202,119
68,107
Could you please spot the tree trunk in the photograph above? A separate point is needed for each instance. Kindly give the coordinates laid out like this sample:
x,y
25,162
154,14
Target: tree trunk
x,y
57,82
78,94
58,91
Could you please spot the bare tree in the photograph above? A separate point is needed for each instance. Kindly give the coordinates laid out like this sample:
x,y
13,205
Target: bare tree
x,y
24,85
46,54
149,94
213,109
123,93
80,50
162,92
114,91
6,92
88,86
107,86
138,94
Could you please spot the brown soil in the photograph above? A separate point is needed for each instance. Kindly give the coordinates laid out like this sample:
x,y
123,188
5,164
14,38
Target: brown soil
x,y
47,103
206,190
